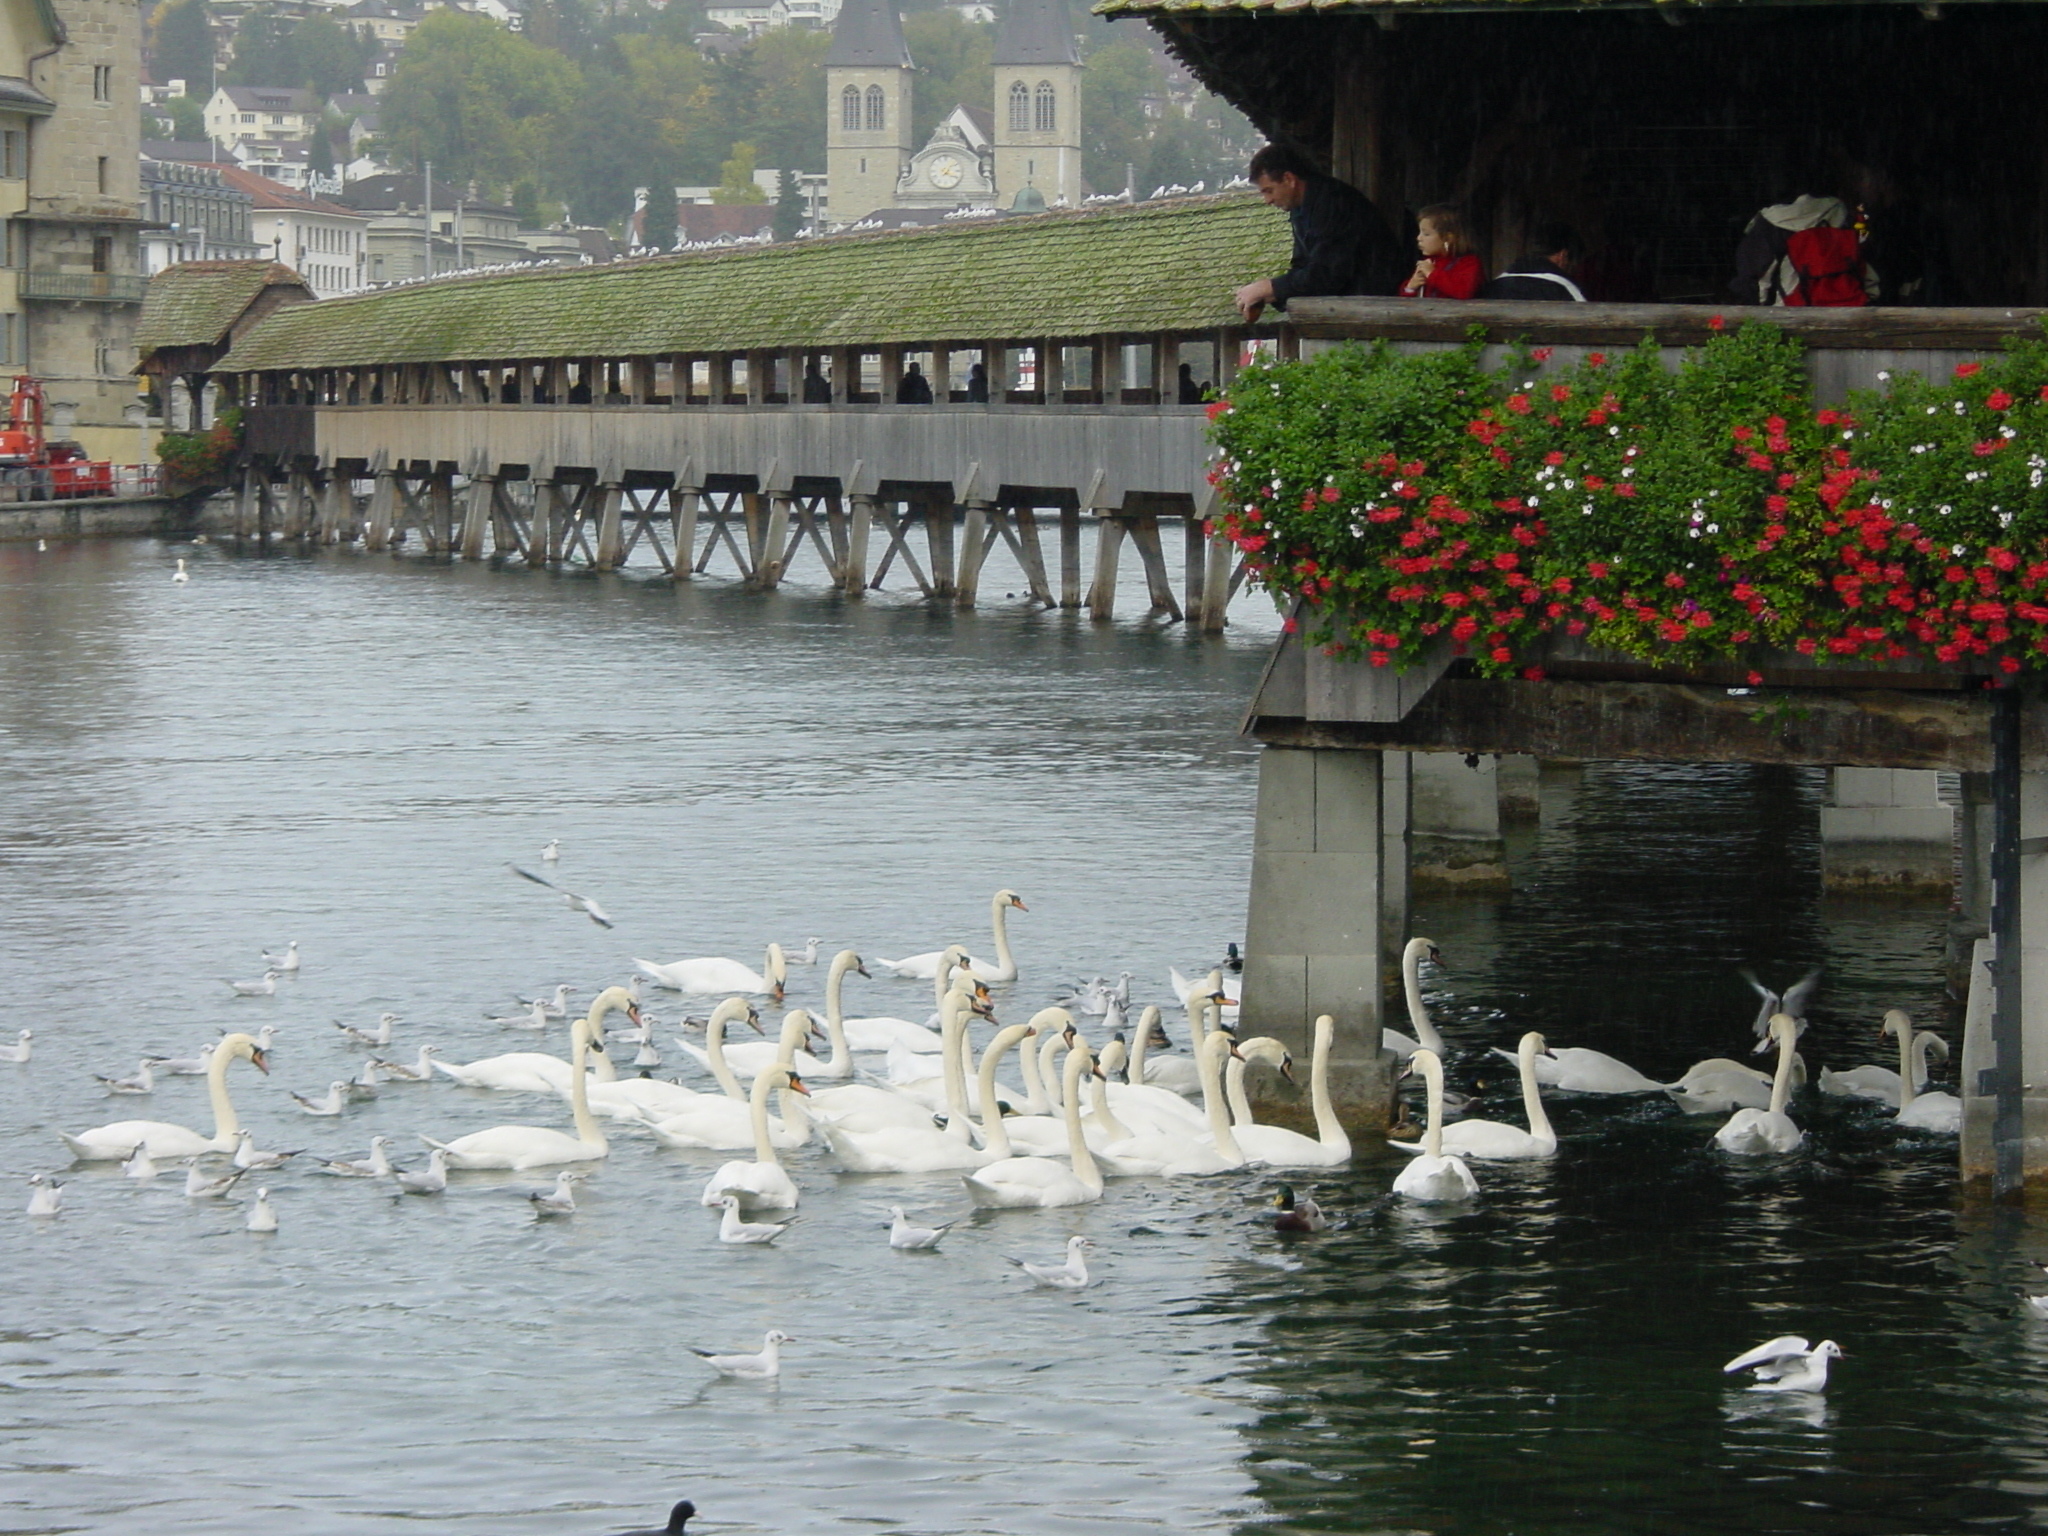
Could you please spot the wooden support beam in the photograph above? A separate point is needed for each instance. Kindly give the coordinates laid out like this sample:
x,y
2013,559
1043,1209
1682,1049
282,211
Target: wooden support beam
x,y
1166,369
685,501
1145,535
1030,553
441,505
1217,584
540,526
1070,557
859,526
973,549
1194,566
768,572
1052,372
383,504
476,512
938,542
336,509
892,373
1109,538
611,535
942,375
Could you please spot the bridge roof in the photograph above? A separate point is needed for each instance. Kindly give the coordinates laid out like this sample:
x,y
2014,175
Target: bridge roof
x,y
196,303
1155,267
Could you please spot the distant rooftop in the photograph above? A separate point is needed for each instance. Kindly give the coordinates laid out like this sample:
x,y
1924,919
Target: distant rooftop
x,y
868,33
1035,32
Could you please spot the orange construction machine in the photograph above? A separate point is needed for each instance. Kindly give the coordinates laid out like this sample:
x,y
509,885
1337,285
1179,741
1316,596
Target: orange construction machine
x,y
43,469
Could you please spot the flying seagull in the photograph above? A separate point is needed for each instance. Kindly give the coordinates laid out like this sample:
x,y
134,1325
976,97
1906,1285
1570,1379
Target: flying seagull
x,y
576,903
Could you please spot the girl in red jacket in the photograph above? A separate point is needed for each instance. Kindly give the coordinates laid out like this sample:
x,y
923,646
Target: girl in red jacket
x,y
1449,269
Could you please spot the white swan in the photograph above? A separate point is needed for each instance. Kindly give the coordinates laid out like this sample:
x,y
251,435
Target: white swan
x,y
1759,1132
1146,1105
1183,1074
1232,988
1574,1069
927,1149
647,1098
925,967
750,1056
704,978
521,1147
1274,1146
1042,1182
180,576
536,1071
1720,1086
1941,1113
1174,1153
763,1184
1426,1038
716,1122
1434,1178
881,1032
864,1107
1495,1139
114,1143
1882,1083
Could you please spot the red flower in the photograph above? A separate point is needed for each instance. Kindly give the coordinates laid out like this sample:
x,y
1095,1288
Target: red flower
x,y
1597,359
1998,400
1804,647
1519,404
1776,504
2008,663
1674,580
1533,674
1541,354
1755,678
1964,370
1290,627
1560,392
1717,323
1597,569
1329,493
1380,658
1503,654
1218,408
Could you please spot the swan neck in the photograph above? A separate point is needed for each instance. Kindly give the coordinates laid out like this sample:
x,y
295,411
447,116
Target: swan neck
x,y
999,925
1106,1122
757,1108
1433,1078
1212,1099
1532,1091
1035,1099
587,1130
1233,1077
1077,1143
1418,1014
225,1123
1329,1129
1781,1085
994,1138
953,1029
714,1052
1141,1038
1908,1076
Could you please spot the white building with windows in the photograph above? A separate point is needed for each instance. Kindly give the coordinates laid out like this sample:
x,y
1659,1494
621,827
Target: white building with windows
x,y
236,113
325,243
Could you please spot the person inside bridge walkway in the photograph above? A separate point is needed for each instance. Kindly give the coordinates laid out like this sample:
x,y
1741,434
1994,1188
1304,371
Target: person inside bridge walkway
x,y
1342,243
1545,272
914,388
817,388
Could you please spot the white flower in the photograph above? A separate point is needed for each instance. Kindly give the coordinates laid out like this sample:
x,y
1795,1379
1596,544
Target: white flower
x,y
1846,433
1946,510
1713,527
2007,432
1571,485
1694,532
1532,501
1884,375
1959,408
1955,549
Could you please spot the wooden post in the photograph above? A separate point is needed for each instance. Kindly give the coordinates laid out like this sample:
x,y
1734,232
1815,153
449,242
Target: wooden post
x,y
794,362
1229,342
377,522
441,504
1031,554
334,505
1194,566
862,524
768,563
611,529
892,374
1052,373
540,529
973,541
720,387
938,538
1070,557
942,375
476,512
1216,585
1166,370
758,365
685,501
1145,535
1109,537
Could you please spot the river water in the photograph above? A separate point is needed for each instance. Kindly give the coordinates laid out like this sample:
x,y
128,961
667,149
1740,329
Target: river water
x,y
347,751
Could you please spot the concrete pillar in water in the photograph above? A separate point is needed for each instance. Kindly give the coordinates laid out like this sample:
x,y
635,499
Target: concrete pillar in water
x,y
1396,918
1885,832
1454,836
1518,783
1312,940
1971,918
1979,1056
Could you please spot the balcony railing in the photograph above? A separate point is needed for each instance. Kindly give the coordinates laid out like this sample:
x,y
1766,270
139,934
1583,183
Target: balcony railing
x,y
91,287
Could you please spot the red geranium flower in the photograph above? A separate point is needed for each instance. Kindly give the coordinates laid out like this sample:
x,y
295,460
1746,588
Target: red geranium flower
x,y
1964,370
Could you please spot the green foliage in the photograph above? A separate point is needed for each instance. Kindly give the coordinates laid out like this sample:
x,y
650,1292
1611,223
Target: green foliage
x,y
278,50
477,100
736,184
187,115
789,206
1114,130
181,45
1711,514
199,459
953,69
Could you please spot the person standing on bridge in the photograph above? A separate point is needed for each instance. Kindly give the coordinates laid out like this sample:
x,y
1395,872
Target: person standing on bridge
x,y
1342,243
914,388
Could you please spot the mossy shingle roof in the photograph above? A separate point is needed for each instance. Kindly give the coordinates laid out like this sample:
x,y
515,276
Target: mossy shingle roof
x,y
1362,7
194,303
1162,266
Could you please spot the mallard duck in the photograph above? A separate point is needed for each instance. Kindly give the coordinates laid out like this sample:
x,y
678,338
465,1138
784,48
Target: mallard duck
x,y
1297,1213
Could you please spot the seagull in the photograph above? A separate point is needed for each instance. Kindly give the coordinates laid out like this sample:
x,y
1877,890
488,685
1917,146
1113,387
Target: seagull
x,y
733,1229
265,1038
430,1182
46,1196
249,1160
184,1066
907,1237
199,1187
144,1080
762,1367
264,987
180,576
553,851
375,1166
262,1215
575,902
380,1036
647,1056
364,1084
140,1165
808,955
288,961
678,1517
1794,1000
535,1018
559,1201
555,1008
1787,1365
421,1071
331,1105
1070,1276
2038,1305
18,1052
1297,1213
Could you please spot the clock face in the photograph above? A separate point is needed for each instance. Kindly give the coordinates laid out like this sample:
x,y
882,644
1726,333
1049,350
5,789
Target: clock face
x,y
946,172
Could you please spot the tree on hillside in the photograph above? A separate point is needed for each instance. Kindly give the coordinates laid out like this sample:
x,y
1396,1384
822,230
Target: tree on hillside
x,y
181,45
482,103
788,124
789,206
263,54
187,116
736,184
953,69
327,58
1114,132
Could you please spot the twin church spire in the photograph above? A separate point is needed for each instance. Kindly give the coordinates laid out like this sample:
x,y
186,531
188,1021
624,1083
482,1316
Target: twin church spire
x,y
1033,140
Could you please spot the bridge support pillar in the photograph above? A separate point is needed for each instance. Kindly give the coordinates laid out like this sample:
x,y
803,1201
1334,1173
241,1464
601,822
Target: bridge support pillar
x,y
1313,932
337,507
611,526
439,533
974,533
1109,538
860,525
1885,832
1454,827
1070,557
938,538
1031,554
771,556
298,504
1158,585
685,501
476,514
1216,585
377,521
542,530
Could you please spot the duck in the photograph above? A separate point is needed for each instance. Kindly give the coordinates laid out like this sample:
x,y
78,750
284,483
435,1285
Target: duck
x,y
925,967
116,1142
1042,1182
1426,1038
1761,1132
520,1147
1495,1140
1274,1146
1434,1178
679,1515
706,977
1297,1213
763,1184
1938,1113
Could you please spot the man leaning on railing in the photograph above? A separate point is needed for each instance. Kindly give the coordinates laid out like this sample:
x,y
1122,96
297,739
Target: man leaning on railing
x,y
1342,243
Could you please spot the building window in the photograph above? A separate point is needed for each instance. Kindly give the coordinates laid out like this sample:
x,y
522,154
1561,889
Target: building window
x,y
9,333
102,359
13,153
1020,107
103,253
849,109
103,82
248,117
103,173
877,114
13,244
1047,117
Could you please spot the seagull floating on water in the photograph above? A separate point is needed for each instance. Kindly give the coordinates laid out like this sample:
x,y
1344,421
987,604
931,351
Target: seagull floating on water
x,y
904,1235
262,1215
1070,1276
1786,1364
288,961
380,1036
140,1166
576,903
337,1095
552,851
762,1367
264,986
249,1160
184,1066
559,1201
144,1080
430,1180
46,1196
199,1187
734,1228
421,1071
376,1166
19,1052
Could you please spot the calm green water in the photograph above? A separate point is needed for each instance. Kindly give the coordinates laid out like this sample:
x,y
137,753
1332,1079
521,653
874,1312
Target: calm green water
x,y
347,751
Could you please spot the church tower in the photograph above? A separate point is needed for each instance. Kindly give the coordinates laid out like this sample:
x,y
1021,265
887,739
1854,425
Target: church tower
x,y
867,104
1038,103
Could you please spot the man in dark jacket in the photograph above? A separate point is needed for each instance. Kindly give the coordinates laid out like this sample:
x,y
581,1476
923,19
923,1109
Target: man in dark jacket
x,y
1543,274
1342,244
